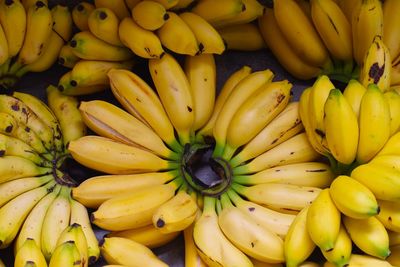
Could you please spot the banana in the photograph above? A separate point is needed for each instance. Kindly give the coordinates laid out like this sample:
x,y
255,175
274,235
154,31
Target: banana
x,y
192,258
177,36
341,252
284,126
149,236
182,5
374,124
12,167
394,256
2,263
13,22
389,215
104,23
334,28
175,214
66,254
300,33
395,74
79,215
352,198
150,15
251,10
65,109
364,260
353,93
314,174
298,245
341,127
324,234
16,210
87,46
369,235
282,50
215,12
294,150
277,222
131,3
29,252
32,226
221,252
279,196
75,233
348,6
394,238
242,37
174,91
201,73
391,161
367,22
66,57
252,116
12,189
393,99
391,32
118,250
223,95
132,211
377,65
208,38
127,87
112,157
254,239
143,43
391,146
246,87
4,54
118,7
80,15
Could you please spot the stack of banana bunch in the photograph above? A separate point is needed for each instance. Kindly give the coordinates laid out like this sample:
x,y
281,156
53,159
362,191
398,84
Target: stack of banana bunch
x,y
38,216
330,36
31,37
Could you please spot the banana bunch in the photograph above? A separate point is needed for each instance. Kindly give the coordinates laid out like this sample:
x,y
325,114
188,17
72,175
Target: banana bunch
x,y
39,218
31,37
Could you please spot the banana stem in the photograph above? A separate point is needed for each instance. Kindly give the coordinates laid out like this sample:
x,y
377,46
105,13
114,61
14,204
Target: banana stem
x,y
175,146
173,165
176,183
235,198
218,150
218,206
209,205
228,152
175,156
225,201
242,179
239,188
184,137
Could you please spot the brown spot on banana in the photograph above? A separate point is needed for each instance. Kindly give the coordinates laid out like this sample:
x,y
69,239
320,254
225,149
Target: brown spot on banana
x,y
376,72
319,170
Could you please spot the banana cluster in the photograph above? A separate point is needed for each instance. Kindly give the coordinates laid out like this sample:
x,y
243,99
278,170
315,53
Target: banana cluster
x,y
38,216
31,37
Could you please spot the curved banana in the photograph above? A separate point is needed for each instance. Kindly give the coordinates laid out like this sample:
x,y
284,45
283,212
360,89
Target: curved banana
x,y
80,15
391,146
284,126
175,94
150,15
209,40
389,215
242,37
352,198
366,260
215,12
177,36
391,32
117,6
201,73
394,255
192,257
251,10
66,254
87,46
294,150
394,238
118,250
353,92
395,74
12,167
348,6
29,252
66,57
369,235
342,250
75,233
104,23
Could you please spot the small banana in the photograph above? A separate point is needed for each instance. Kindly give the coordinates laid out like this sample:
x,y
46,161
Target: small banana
x,y
192,257
12,167
391,146
215,12
80,15
75,233
66,254
104,23
389,215
29,252
66,57
118,7
342,250
391,33
251,10
353,93
150,15
348,6
242,37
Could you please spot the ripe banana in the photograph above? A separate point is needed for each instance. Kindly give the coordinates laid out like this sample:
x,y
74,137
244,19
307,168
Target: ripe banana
x,y
353,93
348,6
364,260
352,198
12,167
29,252
395,74
80,15
104,23
391,146
192,258
75,233
391,32
394,255
66,254
216,12
118,7
242,37
294,150
369,235
342,250
66,57
251,10
389,215
150,15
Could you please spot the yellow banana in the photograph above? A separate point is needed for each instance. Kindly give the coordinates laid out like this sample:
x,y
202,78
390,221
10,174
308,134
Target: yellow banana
x,y
341,252
29,252
314,174
132,211
143,43
150,15
391,32
75,233
80,15
66,57
367,22
353,93
177,36
182,4
389,215
87,46
118,7
242,37
374,124
294,150
252,116
131,3
201,73
13,22
251,10
174,91
4,54
284,126
348,6
298,245
104,23
377,65
393,99
66,254
208,39
394,257
358,260
391,146
282,50
369,235
149,236
215,12
12,167
192,258
300,33
118,250
395,74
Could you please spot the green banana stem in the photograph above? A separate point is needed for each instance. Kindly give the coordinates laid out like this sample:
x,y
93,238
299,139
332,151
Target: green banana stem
x,y
218,150
177,182
240,189
228,152
209,205
176,146
242,179
218,206
225,201
235,198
